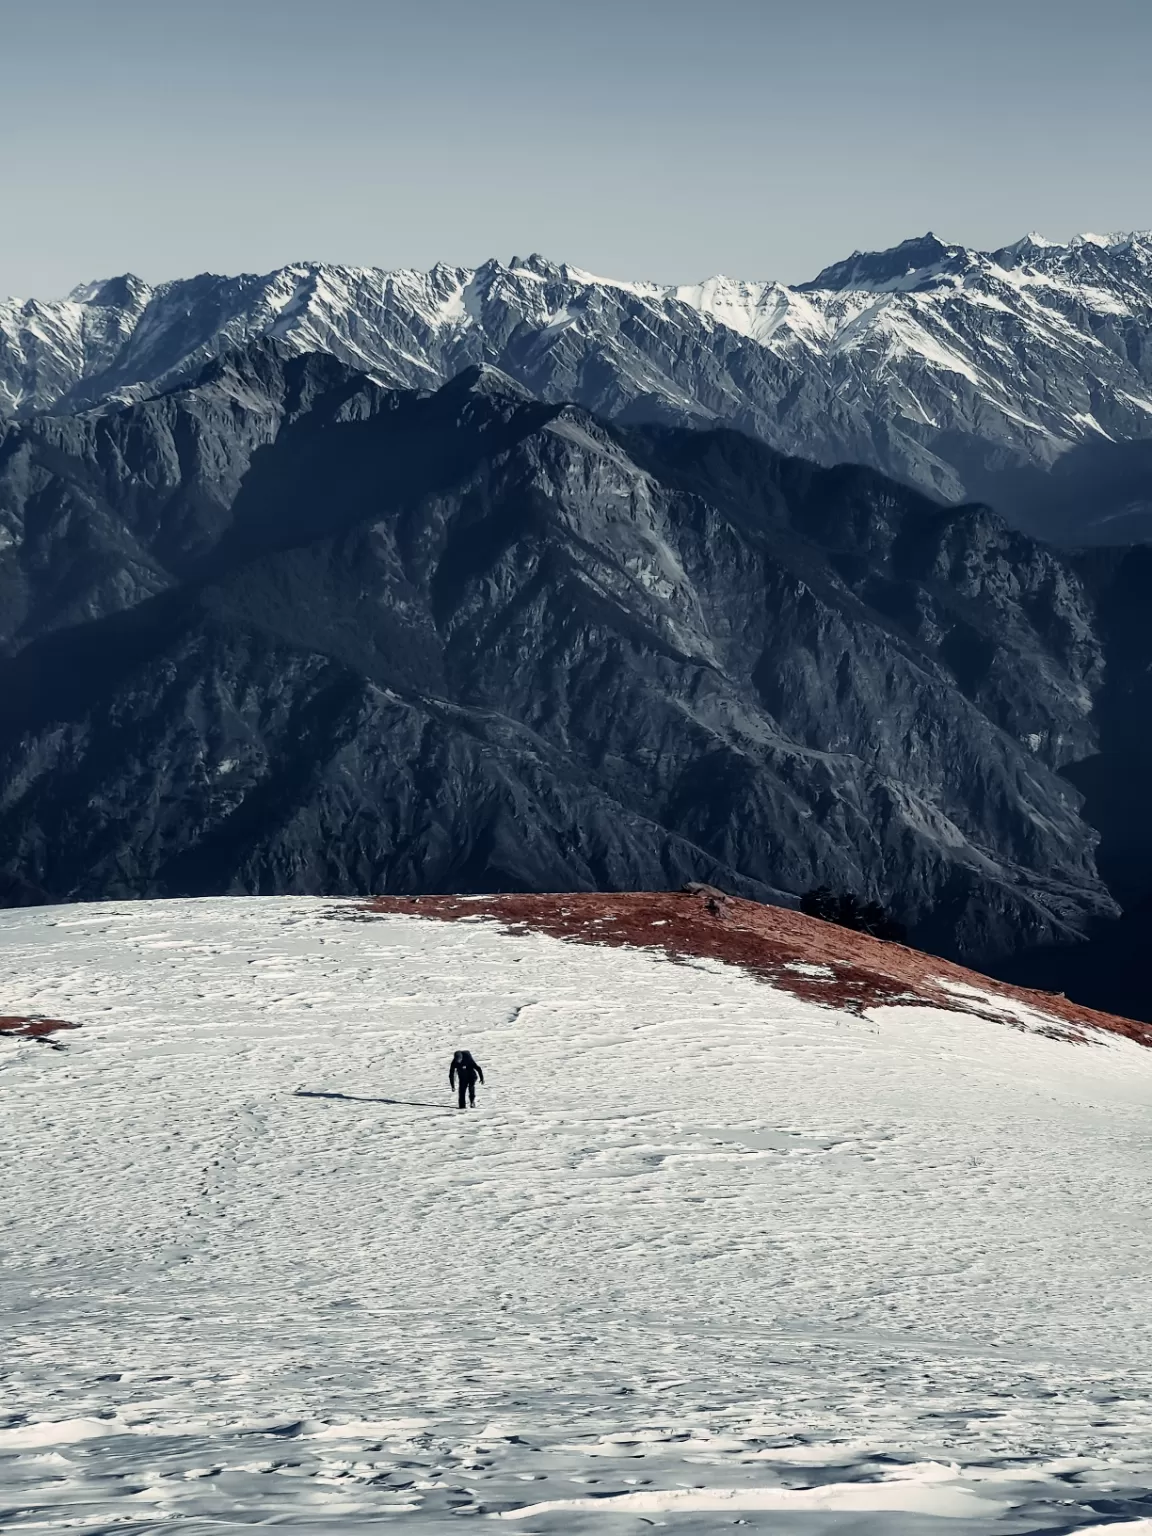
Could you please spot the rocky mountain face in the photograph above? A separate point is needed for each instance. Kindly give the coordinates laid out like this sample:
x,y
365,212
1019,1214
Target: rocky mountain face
x,y
1113,966
1021,376
285,629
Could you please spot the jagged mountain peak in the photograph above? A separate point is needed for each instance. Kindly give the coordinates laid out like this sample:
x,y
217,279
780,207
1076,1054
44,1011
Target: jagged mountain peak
x,y
482,379
270,364
1109,248
911,264
540,265
1116,241
121,292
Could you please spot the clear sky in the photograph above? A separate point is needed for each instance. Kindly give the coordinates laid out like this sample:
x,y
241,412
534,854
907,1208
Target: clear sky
x,y
646,138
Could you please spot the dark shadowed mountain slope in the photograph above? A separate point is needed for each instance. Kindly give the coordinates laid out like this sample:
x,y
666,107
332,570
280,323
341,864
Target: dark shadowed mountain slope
x,y
1113,968
287,630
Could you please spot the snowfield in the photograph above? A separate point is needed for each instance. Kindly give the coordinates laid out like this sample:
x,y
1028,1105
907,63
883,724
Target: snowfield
x,y
704,1255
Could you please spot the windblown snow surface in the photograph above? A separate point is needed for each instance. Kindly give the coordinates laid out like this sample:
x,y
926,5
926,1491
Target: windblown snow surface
x,y
705,1254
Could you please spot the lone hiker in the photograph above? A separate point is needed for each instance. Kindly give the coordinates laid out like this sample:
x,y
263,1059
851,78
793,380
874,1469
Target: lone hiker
x,y
462,1075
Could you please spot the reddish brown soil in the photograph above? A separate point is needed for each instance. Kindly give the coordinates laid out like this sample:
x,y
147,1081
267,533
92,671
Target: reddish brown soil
x,y
32,1028
765,941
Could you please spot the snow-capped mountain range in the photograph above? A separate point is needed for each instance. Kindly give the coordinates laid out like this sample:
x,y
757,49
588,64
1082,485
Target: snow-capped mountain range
x,y
964,372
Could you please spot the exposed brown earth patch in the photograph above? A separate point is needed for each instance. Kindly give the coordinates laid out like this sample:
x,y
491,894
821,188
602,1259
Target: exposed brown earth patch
x,y
816,961
32,1027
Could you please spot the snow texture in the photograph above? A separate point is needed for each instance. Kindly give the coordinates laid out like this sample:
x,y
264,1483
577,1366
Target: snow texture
x,y
705,1254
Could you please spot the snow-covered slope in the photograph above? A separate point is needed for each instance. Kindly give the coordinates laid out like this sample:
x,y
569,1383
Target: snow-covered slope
x,y
706,1252
941,364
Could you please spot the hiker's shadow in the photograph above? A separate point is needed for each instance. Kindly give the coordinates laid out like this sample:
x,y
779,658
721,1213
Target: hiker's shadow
x,y
358,1098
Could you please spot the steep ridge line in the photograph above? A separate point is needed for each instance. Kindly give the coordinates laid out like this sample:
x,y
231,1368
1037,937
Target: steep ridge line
x,y
817,962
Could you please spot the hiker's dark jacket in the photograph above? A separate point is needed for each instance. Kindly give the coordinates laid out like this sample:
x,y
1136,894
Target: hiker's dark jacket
x,y
466,1069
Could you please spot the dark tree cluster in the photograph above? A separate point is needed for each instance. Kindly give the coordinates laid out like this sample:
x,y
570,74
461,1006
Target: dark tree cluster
x,y
850,912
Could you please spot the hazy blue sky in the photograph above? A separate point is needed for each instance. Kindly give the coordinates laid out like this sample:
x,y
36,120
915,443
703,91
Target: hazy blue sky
x,y
660,139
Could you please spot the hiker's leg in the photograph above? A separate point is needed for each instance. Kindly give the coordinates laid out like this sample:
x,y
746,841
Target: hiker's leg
x,y
460,1085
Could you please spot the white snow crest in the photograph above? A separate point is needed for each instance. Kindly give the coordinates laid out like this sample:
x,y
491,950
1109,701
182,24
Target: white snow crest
x,y
987,325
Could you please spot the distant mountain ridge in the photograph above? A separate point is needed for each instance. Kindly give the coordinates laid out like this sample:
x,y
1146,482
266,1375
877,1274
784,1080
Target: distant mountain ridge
x,y
1022,375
